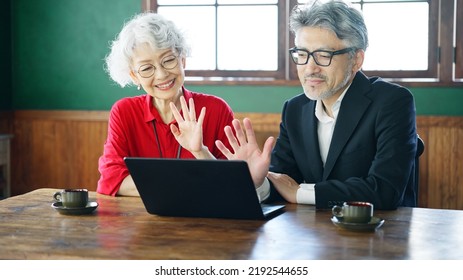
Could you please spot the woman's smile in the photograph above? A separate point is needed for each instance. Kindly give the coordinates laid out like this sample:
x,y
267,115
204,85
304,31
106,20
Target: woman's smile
x,y
166,85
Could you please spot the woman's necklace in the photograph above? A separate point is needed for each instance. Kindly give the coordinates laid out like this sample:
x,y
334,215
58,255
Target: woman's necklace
x,y
159,145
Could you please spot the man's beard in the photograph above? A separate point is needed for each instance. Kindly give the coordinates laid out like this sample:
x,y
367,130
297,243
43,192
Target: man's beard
x,y
330,92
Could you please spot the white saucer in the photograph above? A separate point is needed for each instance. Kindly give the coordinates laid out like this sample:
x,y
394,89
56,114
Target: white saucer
x,y
372,225
89,208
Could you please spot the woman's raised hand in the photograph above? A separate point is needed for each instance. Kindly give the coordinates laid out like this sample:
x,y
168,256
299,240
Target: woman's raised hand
x,y
189,132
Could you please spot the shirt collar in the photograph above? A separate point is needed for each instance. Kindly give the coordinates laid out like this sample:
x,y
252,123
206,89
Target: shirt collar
x,y
320,112
149,111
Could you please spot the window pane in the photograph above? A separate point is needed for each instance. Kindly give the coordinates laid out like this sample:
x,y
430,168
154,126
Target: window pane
x,y
198,23
402,43
247,2
186,2
390,0
249,43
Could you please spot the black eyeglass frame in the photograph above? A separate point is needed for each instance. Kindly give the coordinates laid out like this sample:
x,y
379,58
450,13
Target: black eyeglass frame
x,y
332,53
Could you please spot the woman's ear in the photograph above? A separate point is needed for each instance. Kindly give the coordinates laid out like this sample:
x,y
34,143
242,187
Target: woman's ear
x,y
134,78
183,59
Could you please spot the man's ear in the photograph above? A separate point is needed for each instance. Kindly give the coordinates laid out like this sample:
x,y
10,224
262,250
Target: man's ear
x,y
358,58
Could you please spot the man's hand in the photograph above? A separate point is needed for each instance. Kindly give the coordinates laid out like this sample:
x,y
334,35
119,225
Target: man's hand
x,y
245,148
285,185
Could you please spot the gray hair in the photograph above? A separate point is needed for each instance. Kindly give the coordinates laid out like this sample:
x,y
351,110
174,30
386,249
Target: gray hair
x,y
338,16
149,28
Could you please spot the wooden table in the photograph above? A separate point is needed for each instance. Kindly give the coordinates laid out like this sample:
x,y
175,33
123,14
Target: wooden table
x,y
121,229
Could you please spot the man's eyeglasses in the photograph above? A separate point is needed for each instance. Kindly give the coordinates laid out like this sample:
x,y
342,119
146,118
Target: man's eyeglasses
x,y
321,58
168,63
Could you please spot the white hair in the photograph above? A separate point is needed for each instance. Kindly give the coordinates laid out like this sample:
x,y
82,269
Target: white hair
x,y
149,28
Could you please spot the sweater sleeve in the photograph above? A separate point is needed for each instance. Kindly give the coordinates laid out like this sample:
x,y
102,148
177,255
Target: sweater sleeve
x,y
218,115
223,116
111,164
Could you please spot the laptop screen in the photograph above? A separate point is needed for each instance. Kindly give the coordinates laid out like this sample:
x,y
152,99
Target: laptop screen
x,y
196,188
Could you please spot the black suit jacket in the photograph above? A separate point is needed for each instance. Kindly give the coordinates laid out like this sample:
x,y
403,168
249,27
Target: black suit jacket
x,y
372,152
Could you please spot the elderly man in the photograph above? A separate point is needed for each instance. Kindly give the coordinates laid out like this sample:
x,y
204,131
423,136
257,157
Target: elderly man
x,y
347,137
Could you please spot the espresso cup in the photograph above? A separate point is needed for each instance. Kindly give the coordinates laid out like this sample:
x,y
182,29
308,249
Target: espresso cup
x,y
72,198
354,212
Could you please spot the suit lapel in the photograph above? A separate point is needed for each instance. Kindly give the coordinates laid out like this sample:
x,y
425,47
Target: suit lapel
x,y
353,106
309,132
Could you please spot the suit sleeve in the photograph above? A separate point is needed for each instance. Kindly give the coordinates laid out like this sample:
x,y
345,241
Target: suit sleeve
x,y
283,160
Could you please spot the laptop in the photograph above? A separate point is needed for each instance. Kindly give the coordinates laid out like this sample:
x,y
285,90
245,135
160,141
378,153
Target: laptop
x,y
198,188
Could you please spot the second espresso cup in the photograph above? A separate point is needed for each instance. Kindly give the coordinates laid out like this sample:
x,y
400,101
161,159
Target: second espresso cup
x,y
354,212
72,198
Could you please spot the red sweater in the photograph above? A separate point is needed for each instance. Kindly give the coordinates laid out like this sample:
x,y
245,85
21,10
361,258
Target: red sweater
x,y
131,134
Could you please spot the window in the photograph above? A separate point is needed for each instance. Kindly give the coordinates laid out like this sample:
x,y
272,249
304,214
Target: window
x,y
405,47
249,40
399,38
458,47
229,38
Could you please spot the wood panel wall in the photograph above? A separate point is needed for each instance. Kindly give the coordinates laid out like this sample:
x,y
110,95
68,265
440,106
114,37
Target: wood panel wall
x,y
60,149
57,149
6,122
441,165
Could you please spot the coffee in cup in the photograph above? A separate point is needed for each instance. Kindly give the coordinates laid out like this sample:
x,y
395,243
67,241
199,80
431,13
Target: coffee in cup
x,y
72,198
354,212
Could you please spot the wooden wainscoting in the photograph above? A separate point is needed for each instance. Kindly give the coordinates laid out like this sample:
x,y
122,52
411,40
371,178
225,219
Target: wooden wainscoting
x,y
60,149
441,165
6,122
57,149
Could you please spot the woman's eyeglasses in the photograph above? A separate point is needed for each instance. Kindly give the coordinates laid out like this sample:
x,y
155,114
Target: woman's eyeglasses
x,y
168,63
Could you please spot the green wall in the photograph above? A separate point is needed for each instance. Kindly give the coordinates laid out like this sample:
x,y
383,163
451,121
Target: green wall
x,y
5,57
428,101
58,52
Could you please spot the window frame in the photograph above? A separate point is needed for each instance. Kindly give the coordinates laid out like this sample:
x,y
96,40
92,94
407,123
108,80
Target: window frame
x,y
433,51
444,60
279,74
458,48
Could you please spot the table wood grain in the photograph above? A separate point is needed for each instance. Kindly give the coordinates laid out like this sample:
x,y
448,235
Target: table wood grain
x,y
121,228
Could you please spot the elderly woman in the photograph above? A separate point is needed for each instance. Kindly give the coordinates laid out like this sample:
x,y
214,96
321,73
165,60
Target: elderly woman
x,y
150,53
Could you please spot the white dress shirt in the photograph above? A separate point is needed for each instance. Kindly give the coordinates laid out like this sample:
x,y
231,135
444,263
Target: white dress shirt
x,y
306,193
